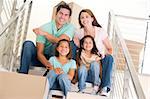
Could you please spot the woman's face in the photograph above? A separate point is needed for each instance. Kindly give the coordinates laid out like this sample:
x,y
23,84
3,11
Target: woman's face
x,y
88,44
86,19
63,48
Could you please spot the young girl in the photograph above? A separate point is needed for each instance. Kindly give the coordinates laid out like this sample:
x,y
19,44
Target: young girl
x,y
89,66
63,67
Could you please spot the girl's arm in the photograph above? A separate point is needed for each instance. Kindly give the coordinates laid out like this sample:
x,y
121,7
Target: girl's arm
x,y
71,73
75,80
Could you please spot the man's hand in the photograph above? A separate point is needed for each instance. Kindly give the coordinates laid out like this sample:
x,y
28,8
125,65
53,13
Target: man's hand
x,y
49,66
38,31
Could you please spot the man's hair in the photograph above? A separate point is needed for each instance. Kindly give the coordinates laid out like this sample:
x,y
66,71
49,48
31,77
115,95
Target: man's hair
x,y
66,6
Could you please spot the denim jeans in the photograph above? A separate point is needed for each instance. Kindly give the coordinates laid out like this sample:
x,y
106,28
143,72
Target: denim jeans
x,y
29,55
59,82
91,75
107,64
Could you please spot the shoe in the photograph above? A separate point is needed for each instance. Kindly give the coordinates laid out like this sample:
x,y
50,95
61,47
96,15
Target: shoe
x,y
95,90
81,91
105,91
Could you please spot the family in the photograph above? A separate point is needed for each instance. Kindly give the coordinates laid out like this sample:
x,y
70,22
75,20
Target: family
x,y
71,55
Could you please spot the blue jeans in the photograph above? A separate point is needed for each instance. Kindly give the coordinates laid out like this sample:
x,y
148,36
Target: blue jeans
x,y
29,55
91,75
59,82
107,64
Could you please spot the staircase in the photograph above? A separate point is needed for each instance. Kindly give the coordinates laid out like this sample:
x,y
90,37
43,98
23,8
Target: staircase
x,y
14,24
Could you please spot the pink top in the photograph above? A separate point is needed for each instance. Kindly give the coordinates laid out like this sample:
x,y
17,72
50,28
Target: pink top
x,y
100,35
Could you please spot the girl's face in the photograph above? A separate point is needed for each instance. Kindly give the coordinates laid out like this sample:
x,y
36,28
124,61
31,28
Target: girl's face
x,y
88,44
63,48
86,19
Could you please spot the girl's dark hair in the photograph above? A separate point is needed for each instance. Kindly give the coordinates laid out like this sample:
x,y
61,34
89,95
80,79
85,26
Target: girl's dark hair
x,y
69,55
94,49
66,6
94,23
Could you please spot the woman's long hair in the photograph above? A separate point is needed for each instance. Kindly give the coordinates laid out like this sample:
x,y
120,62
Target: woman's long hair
x,y
94,23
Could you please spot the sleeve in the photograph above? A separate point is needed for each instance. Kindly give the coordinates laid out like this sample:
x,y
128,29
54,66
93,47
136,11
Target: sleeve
x,y
51,60
44,28
70,31
41,39
73,65
79,33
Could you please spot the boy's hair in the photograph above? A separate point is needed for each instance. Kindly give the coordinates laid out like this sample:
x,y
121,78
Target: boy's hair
x,y
69,55
66,6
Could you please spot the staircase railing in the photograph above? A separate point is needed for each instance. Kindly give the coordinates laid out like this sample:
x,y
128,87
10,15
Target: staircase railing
x,y
12,35
126,84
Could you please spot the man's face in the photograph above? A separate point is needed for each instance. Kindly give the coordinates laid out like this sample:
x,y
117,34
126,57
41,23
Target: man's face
x,y
62,16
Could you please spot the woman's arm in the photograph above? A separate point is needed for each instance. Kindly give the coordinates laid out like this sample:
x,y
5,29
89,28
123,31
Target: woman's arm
x,y
108,46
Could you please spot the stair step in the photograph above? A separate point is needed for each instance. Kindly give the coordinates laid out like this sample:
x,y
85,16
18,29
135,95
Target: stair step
x,y
74,95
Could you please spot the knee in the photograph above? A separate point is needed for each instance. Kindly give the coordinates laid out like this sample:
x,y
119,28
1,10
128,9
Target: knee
x,y
63,77
51,74
82,69
95,65
28,44
110,58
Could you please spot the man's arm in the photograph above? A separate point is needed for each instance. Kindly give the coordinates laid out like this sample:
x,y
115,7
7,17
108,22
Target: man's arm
x,y
50,37
41,57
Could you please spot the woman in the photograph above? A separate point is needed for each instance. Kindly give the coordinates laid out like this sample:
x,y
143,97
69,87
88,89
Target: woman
x,y
90,26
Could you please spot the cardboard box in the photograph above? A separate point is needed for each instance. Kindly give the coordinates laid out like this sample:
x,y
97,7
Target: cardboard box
x,y
23,86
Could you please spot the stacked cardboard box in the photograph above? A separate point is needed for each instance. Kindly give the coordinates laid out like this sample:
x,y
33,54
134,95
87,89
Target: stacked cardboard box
x,y
22,86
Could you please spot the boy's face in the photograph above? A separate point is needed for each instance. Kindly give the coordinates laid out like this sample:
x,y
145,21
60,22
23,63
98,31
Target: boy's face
x,y
62,16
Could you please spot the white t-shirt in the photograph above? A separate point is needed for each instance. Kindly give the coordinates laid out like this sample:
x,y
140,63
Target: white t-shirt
x,y
100,35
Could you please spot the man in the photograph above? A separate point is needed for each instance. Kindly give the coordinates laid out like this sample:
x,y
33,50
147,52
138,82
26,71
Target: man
x,y
47,36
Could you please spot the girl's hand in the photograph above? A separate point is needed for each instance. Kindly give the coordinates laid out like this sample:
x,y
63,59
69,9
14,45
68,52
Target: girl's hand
x,y
58,71
98,59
